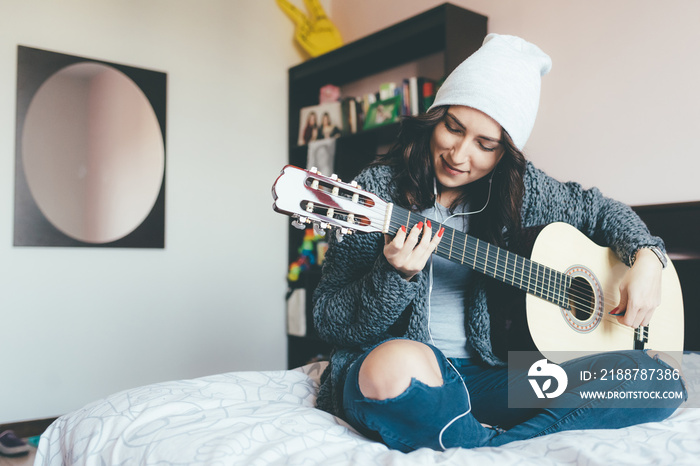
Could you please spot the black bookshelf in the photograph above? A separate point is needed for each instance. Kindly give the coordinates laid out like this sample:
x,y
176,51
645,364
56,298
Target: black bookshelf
x,y
449,29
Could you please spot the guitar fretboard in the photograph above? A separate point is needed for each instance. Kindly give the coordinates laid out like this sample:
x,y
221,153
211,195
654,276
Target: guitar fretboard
x,y
501,264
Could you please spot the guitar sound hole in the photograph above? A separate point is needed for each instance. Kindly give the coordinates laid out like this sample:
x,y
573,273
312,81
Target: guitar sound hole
x,y
581,299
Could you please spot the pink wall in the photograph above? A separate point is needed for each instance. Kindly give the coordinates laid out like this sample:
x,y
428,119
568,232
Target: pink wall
x,y
619,109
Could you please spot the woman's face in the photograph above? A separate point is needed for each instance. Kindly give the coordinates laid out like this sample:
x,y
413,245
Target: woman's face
x,y
465,147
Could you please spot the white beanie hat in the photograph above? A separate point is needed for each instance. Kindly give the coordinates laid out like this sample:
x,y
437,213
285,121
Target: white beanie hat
x,y
501,79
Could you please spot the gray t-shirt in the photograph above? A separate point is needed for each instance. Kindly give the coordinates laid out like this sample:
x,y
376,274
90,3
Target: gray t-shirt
x,y
450,282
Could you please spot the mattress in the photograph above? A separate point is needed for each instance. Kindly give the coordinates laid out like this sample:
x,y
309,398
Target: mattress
x,y
268,418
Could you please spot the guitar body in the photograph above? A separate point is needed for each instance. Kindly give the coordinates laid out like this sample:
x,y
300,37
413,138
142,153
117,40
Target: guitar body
x,y
553,329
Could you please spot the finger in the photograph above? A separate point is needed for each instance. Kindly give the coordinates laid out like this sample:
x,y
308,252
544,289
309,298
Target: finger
x,y
397,239
427,234
293,12
399,249
315,10
413,236
436,239
621,307
638,317
425,248
632,317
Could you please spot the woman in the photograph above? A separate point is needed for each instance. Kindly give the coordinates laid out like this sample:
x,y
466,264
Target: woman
x,y
413,364
328,129
310,132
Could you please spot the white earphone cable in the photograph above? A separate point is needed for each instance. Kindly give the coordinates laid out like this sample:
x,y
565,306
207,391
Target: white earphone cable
x,y
430,291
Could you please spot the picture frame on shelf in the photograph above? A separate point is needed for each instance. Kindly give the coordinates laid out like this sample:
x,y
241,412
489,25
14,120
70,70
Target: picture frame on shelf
x,y
383,112
318,122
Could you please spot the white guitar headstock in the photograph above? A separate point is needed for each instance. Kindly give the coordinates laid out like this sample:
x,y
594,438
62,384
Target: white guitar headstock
x,y
312,198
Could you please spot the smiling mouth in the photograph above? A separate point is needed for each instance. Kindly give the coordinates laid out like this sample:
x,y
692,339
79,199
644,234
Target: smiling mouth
x,y
450,169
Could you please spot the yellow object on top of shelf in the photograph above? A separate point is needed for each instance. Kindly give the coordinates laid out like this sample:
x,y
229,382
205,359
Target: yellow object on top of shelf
x,y
315,33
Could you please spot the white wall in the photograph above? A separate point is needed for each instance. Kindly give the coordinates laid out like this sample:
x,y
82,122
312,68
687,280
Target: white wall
x,y
621,107
78,324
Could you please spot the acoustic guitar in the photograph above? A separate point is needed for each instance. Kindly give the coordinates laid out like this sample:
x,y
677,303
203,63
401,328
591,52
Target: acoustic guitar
x,y
571,283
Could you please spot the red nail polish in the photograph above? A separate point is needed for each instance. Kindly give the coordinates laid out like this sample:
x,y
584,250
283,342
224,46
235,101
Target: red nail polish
x,y
420,226
614,312
427,222
442,230
403,228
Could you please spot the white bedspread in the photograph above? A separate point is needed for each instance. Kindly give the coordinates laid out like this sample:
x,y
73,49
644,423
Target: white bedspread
x,y
263,418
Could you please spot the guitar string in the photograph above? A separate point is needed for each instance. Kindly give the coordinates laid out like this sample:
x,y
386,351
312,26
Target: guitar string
x,y
573,287
540,287
585,305
579,294
510,274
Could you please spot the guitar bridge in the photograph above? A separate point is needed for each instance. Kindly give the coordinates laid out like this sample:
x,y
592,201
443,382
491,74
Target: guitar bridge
x,y
641,337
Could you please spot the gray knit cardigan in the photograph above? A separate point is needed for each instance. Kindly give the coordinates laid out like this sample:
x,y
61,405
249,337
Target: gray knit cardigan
x,y
361,300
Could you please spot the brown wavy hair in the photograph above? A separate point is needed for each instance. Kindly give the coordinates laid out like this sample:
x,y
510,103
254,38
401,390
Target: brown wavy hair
x,y
413,163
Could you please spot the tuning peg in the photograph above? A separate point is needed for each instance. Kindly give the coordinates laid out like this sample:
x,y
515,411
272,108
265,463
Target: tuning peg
x,y
353,183
334,177
318,230
338,235
313,170
297,224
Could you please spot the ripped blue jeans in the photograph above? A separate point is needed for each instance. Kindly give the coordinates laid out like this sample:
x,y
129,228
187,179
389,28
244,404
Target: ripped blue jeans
x,y
452,414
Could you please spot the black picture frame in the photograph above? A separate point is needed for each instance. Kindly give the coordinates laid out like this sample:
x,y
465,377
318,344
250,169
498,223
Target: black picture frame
x,y
31,227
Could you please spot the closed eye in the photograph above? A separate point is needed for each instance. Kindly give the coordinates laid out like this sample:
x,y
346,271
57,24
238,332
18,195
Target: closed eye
x,y
452,129
488,143
489,146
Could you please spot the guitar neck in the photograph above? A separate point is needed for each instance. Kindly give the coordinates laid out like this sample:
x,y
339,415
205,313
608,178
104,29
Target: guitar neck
x,y
501,264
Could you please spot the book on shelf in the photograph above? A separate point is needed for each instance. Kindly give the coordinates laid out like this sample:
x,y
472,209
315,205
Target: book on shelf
x,y
348,107
413,95
420,96
417,94
352,114
428,90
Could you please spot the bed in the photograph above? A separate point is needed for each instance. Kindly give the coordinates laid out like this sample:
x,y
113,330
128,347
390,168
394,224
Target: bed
x,y
268,417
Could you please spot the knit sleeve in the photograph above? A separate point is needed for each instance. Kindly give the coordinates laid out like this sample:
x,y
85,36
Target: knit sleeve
x,y
605,221
360,295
